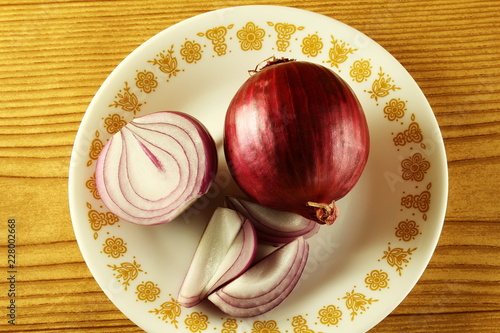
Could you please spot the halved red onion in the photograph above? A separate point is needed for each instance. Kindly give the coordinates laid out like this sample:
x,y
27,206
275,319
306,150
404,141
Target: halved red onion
x,y
272,226
266,284
296,138
226,249
155,167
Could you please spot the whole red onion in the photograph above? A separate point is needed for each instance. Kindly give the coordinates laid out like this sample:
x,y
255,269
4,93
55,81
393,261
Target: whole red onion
x,y
296,138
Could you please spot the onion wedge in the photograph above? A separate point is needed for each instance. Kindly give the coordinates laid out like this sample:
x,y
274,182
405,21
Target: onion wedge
x,y
266,284
226,249
272,226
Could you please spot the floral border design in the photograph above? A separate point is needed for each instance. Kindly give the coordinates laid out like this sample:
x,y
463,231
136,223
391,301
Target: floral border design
x,y
126,272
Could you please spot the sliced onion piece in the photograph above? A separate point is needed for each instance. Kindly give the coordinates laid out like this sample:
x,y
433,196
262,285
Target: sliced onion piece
x,y
226,249
266,284
155,167
272,226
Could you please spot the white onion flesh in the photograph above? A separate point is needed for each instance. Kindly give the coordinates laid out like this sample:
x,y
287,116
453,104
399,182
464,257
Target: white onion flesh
x,y
266,284
225,250
272,226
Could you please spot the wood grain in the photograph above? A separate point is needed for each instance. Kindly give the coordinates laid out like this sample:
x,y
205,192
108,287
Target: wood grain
x,y
55,55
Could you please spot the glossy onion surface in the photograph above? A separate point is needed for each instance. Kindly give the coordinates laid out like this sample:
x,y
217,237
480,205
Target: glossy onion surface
x,y
296,139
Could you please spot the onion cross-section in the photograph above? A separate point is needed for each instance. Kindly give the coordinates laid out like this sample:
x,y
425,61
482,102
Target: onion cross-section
x,y
155,167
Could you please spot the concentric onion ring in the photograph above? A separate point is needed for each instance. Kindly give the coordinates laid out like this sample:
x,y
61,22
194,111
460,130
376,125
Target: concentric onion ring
x,y
155,167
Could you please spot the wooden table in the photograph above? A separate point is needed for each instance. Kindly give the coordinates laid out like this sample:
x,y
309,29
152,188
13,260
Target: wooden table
x,y
54,55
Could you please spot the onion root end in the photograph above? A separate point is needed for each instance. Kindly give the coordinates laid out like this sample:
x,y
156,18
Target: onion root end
x,y
323,213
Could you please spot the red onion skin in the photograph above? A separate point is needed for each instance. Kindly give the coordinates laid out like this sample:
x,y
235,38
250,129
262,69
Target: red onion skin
x,y
296,133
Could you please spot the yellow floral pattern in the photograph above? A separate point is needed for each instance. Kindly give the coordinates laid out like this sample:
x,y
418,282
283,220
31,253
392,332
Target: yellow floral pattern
x,y
251,37
299,325
127,100
146,81
312,45
395,109
114,247
420,201
357,303
412,134
377,280
113,123
196,322
169,311
191,52
126,272
148,291
415,167
361,70
100,219
407,230
229,326
285,32
92,187
398,257
217,36
167,63
330,315
95,148
338,52
269,326
382,86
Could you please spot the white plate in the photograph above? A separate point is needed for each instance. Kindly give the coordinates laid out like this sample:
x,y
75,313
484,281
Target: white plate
x,y
360,268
